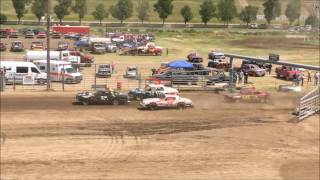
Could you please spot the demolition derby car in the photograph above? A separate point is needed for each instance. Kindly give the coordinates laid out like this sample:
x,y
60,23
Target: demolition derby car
x,y
151,91
166,102
248,95
102,97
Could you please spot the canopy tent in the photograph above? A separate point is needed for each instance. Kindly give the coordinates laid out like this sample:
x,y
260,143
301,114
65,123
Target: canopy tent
x,y
180,64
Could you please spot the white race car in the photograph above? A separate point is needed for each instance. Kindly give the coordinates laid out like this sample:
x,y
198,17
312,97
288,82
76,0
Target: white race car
x,y
166,102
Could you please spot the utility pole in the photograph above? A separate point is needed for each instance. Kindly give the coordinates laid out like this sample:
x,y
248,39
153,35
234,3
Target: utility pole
x,y
48,46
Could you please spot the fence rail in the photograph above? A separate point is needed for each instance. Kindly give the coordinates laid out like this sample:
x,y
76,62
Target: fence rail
x,y
309,104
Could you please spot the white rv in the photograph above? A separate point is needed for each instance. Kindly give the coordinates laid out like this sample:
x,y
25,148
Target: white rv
x,y
60,71
16,71
54,55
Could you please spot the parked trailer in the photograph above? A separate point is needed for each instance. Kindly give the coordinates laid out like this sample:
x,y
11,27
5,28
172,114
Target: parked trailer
x,y
71,29
60,71
54,55
15,71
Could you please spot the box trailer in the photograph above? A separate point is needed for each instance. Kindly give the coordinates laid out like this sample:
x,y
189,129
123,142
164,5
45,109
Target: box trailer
x,y
84,30
54,55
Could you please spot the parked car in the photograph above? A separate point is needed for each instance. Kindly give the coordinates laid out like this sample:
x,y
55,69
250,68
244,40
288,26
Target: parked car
x,y
62,45
108,97
253,70
287,72
3,33
166,102
150,91
98,48
195,58
13,34
213,55
131,72
41,34
104,70
248,95
56,35
3,46
219,64
29,34
17,46
37,46
111,48
85,59
73,36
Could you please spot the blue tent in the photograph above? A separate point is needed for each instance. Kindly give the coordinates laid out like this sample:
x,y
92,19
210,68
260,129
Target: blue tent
x,y
180,64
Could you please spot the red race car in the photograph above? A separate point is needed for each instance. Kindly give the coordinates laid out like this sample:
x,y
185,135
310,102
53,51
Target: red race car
x,y
248,95
41,35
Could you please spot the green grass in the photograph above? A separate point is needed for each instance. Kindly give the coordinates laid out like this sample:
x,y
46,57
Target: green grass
x,y
181,42
7,9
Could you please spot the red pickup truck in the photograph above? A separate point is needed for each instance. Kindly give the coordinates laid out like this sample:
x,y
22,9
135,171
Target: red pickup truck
x,y
85,59
287,72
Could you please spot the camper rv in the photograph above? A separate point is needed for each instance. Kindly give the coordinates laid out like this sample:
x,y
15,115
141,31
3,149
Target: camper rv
x,y
17,71
60,71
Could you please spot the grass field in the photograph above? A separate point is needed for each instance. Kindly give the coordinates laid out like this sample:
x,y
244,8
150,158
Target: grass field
x,y
7,9
257,43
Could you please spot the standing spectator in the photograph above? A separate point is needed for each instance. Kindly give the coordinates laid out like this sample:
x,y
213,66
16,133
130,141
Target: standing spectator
x,y
301,79
295,80
167,51
112,67
316,78
269,68
246,75
240,77
309,76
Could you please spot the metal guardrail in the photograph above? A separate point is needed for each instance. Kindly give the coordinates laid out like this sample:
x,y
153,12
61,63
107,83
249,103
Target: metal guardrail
x,y
281,62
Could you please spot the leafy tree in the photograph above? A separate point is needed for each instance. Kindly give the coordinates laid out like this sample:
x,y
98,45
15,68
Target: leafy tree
x,y
272,9
20,8
163,8
100,13
62,9
186,13
249,14
227,10
80,7
122,10
207,11
143,9
3,18
293,10
312,20
38,8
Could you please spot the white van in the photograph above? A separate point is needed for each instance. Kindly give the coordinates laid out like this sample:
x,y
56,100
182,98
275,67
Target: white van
x,y
15,71
60,70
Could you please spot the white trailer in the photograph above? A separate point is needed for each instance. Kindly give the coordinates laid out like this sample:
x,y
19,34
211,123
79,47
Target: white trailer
x,y
54,55
60,71
17,71
98,40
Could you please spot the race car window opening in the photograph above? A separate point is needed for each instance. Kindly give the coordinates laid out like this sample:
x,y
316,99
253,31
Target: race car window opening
x,y
22,69
42,68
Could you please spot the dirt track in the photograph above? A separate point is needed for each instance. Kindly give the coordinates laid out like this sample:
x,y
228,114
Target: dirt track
x,y
214,140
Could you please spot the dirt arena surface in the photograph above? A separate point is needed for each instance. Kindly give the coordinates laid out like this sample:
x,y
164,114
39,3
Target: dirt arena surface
x,y
44,136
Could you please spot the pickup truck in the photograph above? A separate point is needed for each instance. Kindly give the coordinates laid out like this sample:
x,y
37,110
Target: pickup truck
x,y
287,72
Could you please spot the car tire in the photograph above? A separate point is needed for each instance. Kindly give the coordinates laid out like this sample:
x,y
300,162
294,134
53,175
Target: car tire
x,y
85,103
115,102
181,106
153,107
42,81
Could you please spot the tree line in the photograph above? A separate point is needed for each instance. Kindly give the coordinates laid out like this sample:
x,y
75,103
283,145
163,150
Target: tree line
x,y
224,10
